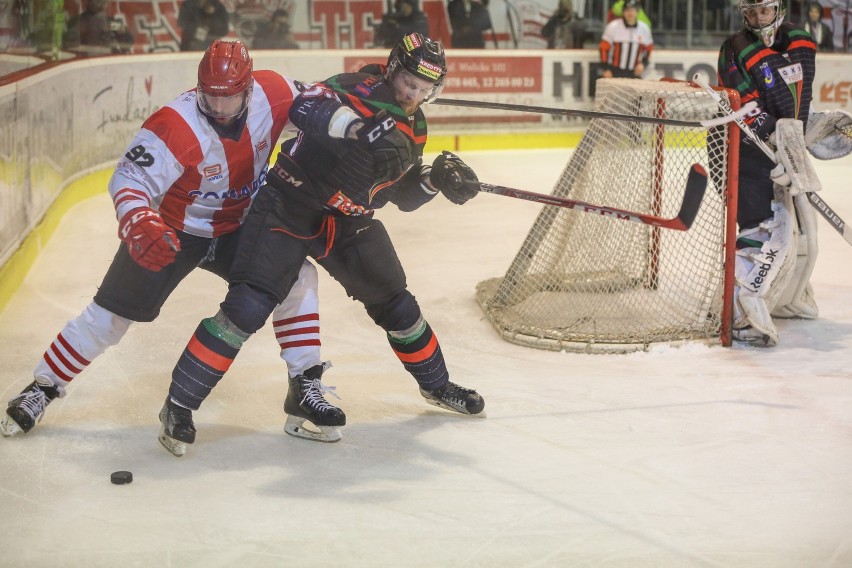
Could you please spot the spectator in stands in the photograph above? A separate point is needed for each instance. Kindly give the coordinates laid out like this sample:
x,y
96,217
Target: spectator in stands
x,y
201,22
564,29
626,44
469,19
95,33
404,20
617,9
276,34
822,34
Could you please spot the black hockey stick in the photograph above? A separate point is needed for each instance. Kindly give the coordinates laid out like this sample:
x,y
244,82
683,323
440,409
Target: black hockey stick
x,y
818,202
696,184
598,114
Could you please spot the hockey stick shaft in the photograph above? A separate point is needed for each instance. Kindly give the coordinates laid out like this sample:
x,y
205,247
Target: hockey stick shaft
x,y
696,184
818,202
598,114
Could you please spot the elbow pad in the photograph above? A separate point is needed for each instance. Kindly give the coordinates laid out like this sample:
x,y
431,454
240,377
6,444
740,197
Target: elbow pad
x,y
324,116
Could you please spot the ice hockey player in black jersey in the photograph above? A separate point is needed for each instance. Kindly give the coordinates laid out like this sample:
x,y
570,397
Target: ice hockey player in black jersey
x,y
772,63
360,147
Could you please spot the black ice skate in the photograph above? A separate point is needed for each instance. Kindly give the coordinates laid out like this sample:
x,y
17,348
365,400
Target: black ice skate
x,y
28,407
456,398
305,402
177,430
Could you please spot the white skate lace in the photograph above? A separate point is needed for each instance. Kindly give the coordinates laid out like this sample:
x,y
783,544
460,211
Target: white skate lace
x,y
33,402
314,395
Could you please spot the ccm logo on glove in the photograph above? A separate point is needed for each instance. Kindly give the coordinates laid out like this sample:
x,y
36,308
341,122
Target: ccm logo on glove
x,y
151,243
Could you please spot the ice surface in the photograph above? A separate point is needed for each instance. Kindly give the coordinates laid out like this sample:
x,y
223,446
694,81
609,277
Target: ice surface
x,y
692,456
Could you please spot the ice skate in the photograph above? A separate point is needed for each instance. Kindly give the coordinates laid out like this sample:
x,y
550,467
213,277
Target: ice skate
x,y
177,428
305,403
456,398
28,407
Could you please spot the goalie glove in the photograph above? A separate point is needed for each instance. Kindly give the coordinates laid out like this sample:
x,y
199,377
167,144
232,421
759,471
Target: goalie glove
x,y
829,134
452,177
150,242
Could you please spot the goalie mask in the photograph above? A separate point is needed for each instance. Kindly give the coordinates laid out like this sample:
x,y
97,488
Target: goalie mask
x,y
416,71
762,18
224,80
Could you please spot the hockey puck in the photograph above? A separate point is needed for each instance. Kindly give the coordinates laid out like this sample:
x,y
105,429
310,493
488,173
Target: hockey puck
x,y
121,477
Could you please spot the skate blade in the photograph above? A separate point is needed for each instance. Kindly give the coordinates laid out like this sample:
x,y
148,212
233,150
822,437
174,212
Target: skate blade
x,y
175,447
445,406
295,426
9,427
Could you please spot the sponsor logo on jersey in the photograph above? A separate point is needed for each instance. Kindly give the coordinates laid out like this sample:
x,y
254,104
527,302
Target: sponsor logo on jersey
x,y
246,191
346,206
367,86
792,73
213,172
768,78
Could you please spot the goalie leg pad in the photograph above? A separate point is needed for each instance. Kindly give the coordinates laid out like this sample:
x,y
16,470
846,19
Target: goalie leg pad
x,y
762,273
797,299
792,154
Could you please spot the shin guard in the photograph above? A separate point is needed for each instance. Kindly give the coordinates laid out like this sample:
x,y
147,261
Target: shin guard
x,y
418,350
205,360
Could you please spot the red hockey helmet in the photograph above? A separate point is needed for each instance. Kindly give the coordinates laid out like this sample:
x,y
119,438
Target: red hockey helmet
x,y
224,79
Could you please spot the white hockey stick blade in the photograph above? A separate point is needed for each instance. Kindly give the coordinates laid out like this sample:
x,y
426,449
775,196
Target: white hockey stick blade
x,y
819,203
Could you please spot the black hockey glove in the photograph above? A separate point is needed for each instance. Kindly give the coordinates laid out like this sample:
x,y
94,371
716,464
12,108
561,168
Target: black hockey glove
x,y
453,178
392,150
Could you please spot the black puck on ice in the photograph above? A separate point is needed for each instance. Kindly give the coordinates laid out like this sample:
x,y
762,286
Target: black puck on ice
x,y
121,477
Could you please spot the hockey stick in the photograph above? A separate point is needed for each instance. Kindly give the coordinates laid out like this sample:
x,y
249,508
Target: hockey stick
x,y
696,184
598,114
818,202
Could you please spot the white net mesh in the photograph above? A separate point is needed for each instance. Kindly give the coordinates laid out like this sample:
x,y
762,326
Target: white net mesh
x,y
582,282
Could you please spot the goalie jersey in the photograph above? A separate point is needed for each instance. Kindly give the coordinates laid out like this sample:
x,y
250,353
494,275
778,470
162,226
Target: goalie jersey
x,y
779,78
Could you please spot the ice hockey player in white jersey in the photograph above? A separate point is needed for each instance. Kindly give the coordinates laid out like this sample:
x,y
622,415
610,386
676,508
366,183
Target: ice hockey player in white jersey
x,y
181,192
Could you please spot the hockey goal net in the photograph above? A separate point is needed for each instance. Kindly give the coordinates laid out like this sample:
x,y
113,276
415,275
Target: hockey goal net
x,y
588,283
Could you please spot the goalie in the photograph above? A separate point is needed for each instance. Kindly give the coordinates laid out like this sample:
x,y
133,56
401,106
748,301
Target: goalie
x,y
772,63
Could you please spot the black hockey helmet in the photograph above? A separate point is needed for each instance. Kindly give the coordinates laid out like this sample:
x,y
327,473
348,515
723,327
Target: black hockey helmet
x,y
422,58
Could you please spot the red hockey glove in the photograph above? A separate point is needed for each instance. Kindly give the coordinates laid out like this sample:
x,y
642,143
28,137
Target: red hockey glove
x,y
151,243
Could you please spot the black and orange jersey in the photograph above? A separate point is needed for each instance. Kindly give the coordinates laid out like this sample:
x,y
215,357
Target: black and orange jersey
x,y
779,78
341,171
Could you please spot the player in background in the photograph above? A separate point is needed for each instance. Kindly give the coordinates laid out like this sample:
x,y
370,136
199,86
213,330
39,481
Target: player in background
x,y
626,44
359,148
181,192
772,63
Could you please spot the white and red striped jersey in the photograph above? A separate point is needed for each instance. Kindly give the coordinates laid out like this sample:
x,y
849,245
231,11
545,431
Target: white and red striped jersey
x,y
199,182
624,46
